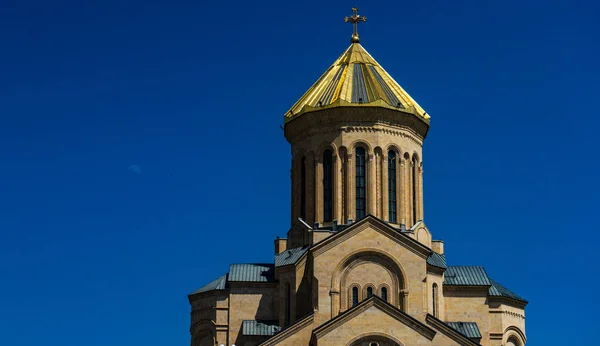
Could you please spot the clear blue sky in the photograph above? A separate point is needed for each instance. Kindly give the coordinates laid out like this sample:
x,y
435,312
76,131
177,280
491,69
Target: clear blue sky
x,y
94,251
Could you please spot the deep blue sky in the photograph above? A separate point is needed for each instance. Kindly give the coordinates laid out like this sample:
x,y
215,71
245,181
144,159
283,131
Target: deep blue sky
x,y
93,253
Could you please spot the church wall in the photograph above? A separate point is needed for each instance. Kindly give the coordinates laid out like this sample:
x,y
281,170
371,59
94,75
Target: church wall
x,y
466,304
250,303
413,267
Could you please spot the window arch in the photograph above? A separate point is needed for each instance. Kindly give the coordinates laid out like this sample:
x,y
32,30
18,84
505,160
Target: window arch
x,y
327,185
513,341
434,290
354,296
361,183
303,188
384,293
392,186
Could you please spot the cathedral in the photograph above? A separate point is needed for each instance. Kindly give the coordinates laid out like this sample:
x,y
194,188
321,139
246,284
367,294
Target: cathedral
x,y
359,266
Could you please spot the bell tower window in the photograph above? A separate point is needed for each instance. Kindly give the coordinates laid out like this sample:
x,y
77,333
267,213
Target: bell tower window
x,y
361,180
392,186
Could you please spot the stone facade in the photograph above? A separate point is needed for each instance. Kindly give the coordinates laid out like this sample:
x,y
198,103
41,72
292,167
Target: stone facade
x,y
342,277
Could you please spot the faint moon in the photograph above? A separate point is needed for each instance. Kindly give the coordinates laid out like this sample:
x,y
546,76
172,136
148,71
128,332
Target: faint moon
x,y
135,169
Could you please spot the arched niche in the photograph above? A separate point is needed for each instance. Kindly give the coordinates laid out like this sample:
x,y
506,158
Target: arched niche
x,y
344,277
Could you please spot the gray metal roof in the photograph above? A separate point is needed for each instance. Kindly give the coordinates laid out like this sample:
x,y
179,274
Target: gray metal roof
x,y
468,329
290,256
263,328
252,272
437,260
498,290
217,284
466,276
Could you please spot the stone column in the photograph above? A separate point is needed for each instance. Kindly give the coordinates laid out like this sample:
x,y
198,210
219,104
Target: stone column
x,y
295,177
420,190
310,188
337,188
318,201
335,302
371,185
385,212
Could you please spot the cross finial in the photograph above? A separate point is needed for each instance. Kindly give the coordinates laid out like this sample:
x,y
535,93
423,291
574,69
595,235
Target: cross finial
x,y
355,19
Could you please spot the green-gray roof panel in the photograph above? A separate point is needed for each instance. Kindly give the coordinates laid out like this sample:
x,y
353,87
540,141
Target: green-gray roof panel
x,y
466,276
217,284
468,329
437,260
290,256
262,328
253,272
498,290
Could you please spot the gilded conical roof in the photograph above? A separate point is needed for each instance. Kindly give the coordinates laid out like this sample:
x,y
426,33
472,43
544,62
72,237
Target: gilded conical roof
x,y
355,79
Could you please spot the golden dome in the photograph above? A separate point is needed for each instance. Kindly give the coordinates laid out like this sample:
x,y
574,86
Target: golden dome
x,y
356,79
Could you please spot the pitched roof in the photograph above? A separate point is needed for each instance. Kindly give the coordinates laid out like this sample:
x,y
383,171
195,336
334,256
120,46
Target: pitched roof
x,y
437,260
454,334
469,329
497,290
251,272
217,284
262,328
466,276
356,79
382,305
290,256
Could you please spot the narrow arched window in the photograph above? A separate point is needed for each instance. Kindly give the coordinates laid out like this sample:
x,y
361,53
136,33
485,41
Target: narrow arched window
x,y
384,293
361,183
415,177
327,185
369,292
354,296
434,299
303,189
392,185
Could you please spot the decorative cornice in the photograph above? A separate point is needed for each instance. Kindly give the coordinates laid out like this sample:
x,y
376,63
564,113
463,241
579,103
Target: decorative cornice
x,y
509,313
343,117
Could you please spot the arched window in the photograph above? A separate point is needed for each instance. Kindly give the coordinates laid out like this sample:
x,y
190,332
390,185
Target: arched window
x,y
434,300
373,344
303,188
354,296
392,185
384,293
361,180
369,292
415,178
327,185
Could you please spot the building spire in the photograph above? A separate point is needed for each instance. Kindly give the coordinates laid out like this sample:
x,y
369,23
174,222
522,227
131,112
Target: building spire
x,y
355,19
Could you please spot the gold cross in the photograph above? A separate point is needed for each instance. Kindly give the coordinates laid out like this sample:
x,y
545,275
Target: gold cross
x,y
355,19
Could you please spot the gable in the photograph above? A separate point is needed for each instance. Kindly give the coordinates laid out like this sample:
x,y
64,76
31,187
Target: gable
x,y
371,223
373,317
